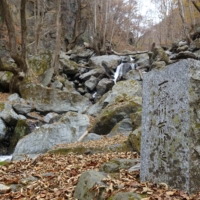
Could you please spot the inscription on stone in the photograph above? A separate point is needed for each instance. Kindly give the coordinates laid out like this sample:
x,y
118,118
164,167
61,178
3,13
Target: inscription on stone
x,y
169,137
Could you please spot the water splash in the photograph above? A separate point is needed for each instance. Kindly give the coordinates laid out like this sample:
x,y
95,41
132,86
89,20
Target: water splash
x,y
5,158
119,71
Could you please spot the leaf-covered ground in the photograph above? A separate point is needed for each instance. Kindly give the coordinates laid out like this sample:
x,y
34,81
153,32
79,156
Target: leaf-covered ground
x,y
55,177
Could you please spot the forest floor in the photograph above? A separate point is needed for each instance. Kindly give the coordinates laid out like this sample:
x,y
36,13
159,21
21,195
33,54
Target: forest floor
x,y
53,176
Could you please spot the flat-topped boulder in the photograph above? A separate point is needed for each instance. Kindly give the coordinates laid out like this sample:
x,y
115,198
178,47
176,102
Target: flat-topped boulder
x,y
170,149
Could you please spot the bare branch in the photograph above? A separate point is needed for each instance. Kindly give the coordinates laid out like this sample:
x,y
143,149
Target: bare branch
x,y
129,53
196,6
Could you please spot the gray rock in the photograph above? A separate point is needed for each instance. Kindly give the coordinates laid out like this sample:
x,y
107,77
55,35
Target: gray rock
x,y
57,85
23,108
182,43
122,91
170,126
69,66
14,98
53,100
111,60
2,129
45,78
95,109
85,184
109,167
4,189
94,72
49,116
104,85
92,136
195,45
126,196
185,54
124,127
84,53
142,59
134,139
183,48
116,164
9,115
91,83
132,75
68,129
158,65
134,168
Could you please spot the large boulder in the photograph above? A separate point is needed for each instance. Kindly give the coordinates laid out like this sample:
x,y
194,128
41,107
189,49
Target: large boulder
x,y
123,91
94,72
142,59
68,129
68,66
111,60
53,100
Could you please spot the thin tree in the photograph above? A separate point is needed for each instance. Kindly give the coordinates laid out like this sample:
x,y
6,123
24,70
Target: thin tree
x,y
21,70
55,63
181,11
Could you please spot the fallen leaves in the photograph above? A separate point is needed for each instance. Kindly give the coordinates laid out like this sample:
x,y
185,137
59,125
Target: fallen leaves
x,y
56,176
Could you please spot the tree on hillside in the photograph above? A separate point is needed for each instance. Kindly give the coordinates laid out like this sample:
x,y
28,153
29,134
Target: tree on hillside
x,y
21,69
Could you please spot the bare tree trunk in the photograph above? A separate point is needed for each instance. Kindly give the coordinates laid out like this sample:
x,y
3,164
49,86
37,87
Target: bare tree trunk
x,y
191,13
55,62
39,20
20,59
105,27
181,11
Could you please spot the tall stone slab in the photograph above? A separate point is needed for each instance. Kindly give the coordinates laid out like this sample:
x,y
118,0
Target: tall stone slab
x,y
170,147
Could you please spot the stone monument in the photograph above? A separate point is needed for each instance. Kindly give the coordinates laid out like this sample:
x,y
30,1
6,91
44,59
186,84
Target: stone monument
x,y
170,147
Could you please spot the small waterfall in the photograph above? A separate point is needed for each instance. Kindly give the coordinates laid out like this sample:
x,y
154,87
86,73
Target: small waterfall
x,y
118,72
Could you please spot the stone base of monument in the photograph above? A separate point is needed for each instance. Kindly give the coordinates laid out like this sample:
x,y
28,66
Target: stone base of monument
x,y
170,147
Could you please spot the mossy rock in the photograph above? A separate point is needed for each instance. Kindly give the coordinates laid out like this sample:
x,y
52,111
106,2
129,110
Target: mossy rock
x,y
2,106
119,147
39,64
113,114
125,196
134,140
20,131
5,80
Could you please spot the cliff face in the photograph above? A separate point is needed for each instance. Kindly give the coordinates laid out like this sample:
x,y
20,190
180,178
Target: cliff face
x,y
41,25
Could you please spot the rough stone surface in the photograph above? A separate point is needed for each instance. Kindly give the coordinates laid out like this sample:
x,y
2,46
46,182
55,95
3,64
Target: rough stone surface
x,y
91,83
171,126
9,115
126,196
85,184
53,100
68,129
22,108
111,60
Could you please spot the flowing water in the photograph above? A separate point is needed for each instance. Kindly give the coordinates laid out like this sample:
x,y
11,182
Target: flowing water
x,y
5,158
